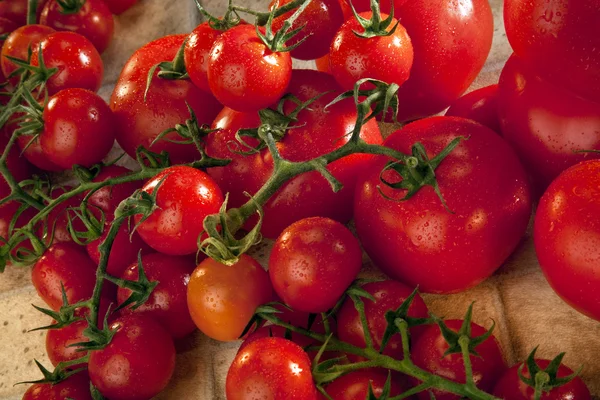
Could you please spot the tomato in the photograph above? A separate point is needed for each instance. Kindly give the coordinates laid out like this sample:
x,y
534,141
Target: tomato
x,y
545,124
59,341
6,27
93,20
428,353
108,198
313,262
389,295
385,58
16,10
243,74
196,54
137,364
319,21
483,184
510,386
139,122
17,166
222,298
78,62
186,196
168,302
76,387
119,6
7,213
306,195
323,64
567,236
559,40
270,368
32,152
355,385
480,105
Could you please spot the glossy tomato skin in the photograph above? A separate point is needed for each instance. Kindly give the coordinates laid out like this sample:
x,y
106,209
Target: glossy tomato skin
x,y
483,184
545,124
32,152
76,387
271,368
480,105
185,198
510,386
355,385
222,299
313,262
389,295
59,341
139,122
566,236
16,10
243,74
428,353
137,364
93,20
108,198
119,6
197,51
385,58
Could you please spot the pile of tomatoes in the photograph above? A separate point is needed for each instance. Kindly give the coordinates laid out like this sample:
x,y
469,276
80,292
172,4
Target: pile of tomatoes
x,y
216,118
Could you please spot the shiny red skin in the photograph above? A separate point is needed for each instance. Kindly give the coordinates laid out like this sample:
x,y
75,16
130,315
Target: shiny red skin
x,y
34,154
483,184
243,74
318,132
313,262
94,21
17,165
76,387
119,6
139,122
389,295
545,124
185,198
428,353
355,385
510,386
16,10
168,302
137,364
59,340
385,58
196,54
108,198
6,27
559,40
271,368
78,62
567,236
480,105
320,21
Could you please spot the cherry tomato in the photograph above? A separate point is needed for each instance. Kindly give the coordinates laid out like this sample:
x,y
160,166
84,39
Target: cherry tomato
x,y
17,166
313,262
197,50
428,353
32,151
186,196
245,75
7,213
16,10
108,198
119,6
137,364
92,20
355,385
567,236
483,184
480,105
271,368
59,341
385,58
139,122
222,298
76,387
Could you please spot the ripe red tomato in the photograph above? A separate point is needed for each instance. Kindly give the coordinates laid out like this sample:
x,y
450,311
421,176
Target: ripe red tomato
x,y
59,341
545,124
245,75
93,20
222,298
185,198
139,122
483,184
385,58
480,105
567,236
428,353
355,385
32,152
137,364
271,368
119,6
196,54
76,387
313,262
108,198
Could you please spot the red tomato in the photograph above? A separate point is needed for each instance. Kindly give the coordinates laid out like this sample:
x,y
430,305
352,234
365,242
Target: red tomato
x,y
108,198
567,236
355,385
480,105
139,122
93,20
222,299
119,6
196,54
545,124
76,387
32,151
385,58
389,295
185,198
7,213
243,73
313,262
271,368
309,194
428,353
59,341
16,10
137,364
483,184
6,27
559,40
510,386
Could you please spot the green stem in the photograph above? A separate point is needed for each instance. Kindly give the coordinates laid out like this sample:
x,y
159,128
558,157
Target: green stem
x,y
32,11
262,17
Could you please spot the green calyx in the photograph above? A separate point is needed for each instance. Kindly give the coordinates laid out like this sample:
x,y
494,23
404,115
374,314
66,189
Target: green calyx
x,y
229,20
171,70
375,26
68,7
140,290
275,41
64,317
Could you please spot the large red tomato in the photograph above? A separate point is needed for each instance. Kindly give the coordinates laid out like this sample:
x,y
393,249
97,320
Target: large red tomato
x,y
76,387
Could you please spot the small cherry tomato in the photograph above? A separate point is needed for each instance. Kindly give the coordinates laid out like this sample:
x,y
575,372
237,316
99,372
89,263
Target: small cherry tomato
x,y
197,51
59,343
480,105
32,151
355,385
75,387
119,6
